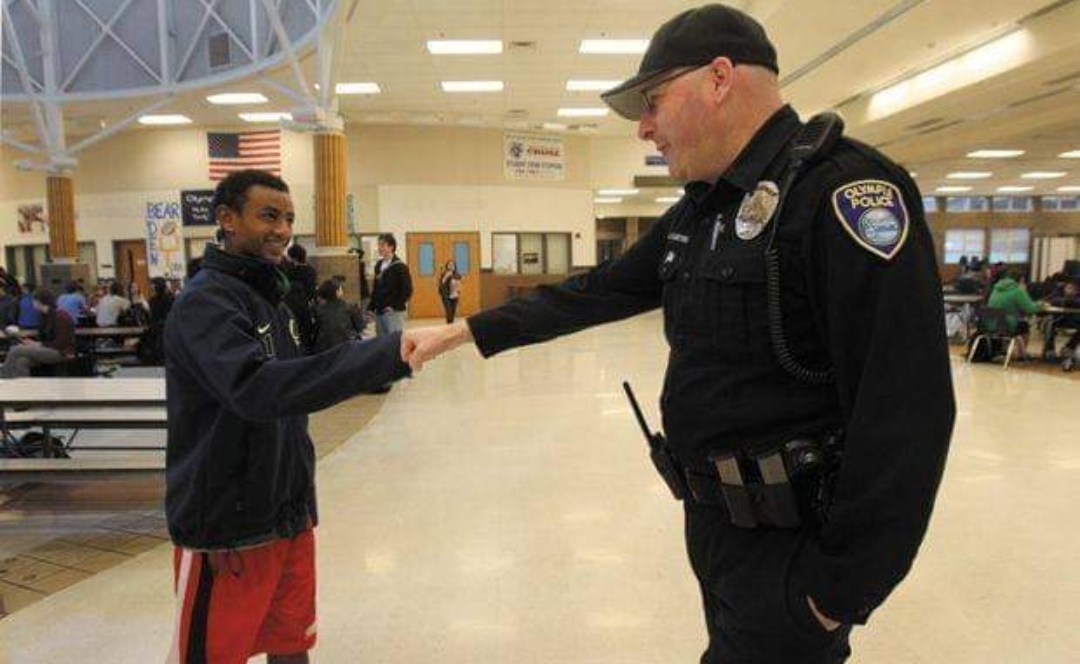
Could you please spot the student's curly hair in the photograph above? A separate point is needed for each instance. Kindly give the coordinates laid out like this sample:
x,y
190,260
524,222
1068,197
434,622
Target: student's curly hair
x,y
232,191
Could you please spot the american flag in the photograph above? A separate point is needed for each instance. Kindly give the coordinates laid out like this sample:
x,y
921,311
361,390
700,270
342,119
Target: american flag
x,y
249,149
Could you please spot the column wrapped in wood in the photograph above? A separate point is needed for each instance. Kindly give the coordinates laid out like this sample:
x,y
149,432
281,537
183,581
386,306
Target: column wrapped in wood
x,y
61,209
331,228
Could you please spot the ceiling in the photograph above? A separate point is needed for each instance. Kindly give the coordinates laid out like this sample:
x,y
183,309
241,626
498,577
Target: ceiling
x,y
833,55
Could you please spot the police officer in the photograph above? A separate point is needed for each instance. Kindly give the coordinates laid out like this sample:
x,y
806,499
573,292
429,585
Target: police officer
x,y
801,305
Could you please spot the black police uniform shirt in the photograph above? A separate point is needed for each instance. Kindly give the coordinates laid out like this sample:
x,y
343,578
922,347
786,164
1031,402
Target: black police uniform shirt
x,y
860,294
240,466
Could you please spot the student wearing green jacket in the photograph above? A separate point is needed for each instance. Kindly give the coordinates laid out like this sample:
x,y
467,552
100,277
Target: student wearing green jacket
x,y
1012,297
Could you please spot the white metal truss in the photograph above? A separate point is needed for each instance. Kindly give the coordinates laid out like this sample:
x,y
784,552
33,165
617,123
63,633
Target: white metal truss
x,y
54,52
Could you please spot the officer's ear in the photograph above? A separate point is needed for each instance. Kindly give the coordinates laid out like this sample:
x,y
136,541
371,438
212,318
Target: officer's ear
x,y
720,76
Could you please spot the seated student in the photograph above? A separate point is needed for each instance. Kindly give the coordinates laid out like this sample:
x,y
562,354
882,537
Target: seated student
x,y
111,306
73,302
29,318
334,322
9,307
1069,298
55,343
1010,296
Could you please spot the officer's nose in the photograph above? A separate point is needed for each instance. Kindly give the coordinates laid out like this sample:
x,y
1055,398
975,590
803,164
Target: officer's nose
x,y
646,127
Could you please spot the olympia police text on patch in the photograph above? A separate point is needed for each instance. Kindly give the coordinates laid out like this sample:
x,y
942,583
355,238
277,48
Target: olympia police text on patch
x,y
874,215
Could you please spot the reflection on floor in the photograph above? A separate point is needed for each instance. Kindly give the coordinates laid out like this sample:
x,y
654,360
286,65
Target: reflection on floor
x,y
504,511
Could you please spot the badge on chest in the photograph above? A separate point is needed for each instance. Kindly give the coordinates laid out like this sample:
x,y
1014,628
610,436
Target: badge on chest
x,y
756,210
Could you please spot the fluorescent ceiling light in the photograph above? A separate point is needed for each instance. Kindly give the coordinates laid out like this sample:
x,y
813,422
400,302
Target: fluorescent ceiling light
x,y
472,86
608,199
1069,188
554,126
995,154
234,98
953,190
969,175
613,46
358,88
912,174
265,117
1071,154
616,192
1043,175
582,85
986,61
164,119
668,199
464,46
1013,189
582,112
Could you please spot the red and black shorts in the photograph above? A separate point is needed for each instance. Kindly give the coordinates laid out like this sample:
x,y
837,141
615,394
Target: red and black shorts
x,y
236,604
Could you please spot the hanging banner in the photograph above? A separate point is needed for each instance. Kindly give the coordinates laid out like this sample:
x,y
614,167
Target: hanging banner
x,y
165,240
533,157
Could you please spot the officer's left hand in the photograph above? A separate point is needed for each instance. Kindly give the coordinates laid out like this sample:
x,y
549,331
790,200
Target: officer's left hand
x,y
828,623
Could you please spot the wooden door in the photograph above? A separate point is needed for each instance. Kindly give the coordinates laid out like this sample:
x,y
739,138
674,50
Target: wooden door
x,y
427,254
130,264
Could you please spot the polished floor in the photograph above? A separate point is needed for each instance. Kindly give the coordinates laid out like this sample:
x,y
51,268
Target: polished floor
x,y
504,511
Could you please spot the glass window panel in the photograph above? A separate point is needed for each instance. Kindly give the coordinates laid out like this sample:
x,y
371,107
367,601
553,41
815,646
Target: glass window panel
x,y
1012,203
504,253
1059,203
929,203
963,242
1009,245
426,259
558,253
532,253
462,257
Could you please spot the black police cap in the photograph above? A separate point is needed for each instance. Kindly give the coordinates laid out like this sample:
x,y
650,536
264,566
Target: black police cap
x,y
694,38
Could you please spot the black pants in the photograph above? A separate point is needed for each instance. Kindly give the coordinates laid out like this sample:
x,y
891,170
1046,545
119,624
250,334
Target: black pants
x,y
755,607
451,308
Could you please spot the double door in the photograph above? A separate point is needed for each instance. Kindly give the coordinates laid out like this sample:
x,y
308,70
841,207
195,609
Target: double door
x,y
427,254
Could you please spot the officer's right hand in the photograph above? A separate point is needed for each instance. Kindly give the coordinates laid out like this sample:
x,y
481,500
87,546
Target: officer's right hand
x,y
421,344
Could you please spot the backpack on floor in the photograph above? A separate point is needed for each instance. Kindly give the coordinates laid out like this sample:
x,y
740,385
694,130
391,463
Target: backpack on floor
x,y
31,445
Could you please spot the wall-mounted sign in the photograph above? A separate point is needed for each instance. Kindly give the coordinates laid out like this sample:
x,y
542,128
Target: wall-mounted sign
x,y
196,207
533,157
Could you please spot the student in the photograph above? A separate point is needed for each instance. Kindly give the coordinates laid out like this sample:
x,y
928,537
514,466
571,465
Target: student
x,y
334,322
55,342
240,465
1010,296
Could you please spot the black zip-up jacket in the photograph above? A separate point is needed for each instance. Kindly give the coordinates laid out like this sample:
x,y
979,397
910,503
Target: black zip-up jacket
x,y
863,298
393,286
240,466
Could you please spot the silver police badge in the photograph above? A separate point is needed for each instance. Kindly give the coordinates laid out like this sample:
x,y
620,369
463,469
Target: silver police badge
x,y
756,210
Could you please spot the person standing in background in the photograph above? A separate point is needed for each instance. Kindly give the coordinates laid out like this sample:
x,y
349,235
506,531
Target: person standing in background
x,y
393,288
450,289
303,280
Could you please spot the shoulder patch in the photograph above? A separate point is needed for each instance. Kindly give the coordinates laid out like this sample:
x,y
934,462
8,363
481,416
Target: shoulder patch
x,y
874,215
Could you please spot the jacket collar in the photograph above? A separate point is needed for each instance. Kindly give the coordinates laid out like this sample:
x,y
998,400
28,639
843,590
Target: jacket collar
x,y
263,276
751,164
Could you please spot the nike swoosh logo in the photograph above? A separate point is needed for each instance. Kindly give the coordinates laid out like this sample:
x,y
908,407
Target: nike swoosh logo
x,y
263,329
